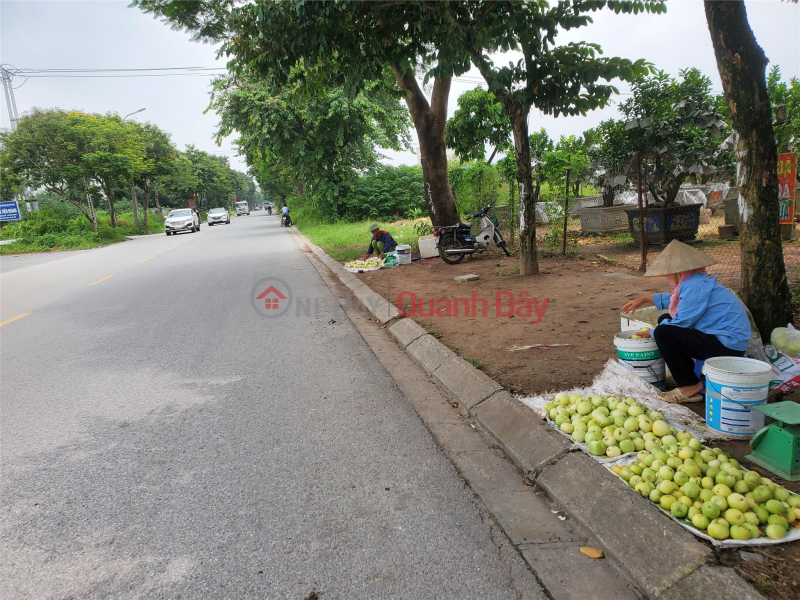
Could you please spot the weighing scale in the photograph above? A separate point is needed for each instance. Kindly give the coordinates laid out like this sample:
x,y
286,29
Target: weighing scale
x,y
777,446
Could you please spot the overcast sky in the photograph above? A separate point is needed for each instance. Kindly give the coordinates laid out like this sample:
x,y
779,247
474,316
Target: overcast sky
x,y
109,35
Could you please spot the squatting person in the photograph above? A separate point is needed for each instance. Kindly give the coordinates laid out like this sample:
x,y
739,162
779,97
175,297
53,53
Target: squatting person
x,y
381,242
704,320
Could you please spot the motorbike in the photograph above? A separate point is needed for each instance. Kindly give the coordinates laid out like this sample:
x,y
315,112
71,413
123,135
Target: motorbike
x,y
286,220
269,210
456,241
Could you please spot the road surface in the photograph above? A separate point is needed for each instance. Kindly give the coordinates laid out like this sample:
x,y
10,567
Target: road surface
x,y
161,439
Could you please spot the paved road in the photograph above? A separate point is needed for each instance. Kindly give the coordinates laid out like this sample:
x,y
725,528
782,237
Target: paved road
x,y
162,440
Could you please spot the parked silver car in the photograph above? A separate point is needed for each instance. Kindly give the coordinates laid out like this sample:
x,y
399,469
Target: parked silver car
x,y
218,215
181,219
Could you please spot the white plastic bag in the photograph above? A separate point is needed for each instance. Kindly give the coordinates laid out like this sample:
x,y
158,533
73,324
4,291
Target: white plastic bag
x,y
785,369
787,340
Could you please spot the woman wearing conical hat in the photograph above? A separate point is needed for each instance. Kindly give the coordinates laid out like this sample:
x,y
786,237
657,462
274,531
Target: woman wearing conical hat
x,y
705,318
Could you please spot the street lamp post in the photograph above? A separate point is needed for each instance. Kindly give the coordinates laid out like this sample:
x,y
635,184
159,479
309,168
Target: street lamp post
x,y
134,200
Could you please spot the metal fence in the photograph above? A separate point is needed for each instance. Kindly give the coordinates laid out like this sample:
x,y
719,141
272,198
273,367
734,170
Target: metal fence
x,y
707,219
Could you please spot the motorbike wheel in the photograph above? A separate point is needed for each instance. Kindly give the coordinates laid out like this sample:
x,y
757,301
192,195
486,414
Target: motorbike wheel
x,y
450,243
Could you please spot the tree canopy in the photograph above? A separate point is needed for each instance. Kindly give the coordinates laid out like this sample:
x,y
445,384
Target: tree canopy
x,y
76,156
785,97
676,124
322,142
478,120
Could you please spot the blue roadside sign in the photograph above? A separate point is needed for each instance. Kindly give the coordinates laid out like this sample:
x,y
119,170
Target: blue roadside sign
x,y
9,211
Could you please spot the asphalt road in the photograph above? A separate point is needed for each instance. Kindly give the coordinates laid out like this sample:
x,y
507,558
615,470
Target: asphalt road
x,y
160,439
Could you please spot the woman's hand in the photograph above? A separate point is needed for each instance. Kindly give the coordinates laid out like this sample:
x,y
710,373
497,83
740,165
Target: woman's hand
x,y
635,304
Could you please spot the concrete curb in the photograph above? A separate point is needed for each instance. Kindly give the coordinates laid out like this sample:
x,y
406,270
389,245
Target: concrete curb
x,y
661,558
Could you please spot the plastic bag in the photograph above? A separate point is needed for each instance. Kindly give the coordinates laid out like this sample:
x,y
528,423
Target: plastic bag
x,y
785,369
390,260
787,340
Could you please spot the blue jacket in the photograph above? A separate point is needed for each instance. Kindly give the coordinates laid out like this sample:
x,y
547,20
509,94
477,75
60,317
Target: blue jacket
x,y
386,238
709,307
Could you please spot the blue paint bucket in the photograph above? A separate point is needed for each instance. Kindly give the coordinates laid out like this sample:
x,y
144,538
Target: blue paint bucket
x,y
733,384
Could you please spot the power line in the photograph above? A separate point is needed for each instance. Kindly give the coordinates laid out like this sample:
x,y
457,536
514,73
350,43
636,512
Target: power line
x,y
115,73
65,76
119,70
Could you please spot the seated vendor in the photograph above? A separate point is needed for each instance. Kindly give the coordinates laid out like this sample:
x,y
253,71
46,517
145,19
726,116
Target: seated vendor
x,y
381,242
705,319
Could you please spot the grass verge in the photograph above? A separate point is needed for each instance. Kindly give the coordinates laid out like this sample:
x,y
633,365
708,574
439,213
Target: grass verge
x,y
48,232
346,241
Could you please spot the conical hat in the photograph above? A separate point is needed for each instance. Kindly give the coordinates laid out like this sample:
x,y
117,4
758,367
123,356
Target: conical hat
x,y
677,257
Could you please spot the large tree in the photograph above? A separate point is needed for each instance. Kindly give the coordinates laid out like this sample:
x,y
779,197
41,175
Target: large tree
x,y
556,79
742,65
345,44
46,150
677,127
113,154
158,162
323,141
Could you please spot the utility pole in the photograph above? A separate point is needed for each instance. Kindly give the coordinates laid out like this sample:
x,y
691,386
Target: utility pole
x,y
13,117
134,200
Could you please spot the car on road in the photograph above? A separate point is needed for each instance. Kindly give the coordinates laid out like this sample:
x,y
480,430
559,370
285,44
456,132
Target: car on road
x,y
218,215
242,208
181,219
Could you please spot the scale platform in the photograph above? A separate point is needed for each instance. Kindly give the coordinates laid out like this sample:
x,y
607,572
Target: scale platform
x,y
777,446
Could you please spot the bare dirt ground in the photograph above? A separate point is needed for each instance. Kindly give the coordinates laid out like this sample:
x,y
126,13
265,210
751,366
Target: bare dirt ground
x,y
583,303
584,298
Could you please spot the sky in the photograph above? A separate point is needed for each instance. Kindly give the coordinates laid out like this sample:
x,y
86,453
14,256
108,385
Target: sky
x,y
64,34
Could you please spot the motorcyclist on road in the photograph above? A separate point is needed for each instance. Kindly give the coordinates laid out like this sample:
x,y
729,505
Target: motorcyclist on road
x,y
286,218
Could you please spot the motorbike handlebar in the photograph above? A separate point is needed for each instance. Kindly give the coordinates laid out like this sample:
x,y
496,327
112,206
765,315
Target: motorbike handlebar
x,y
483,211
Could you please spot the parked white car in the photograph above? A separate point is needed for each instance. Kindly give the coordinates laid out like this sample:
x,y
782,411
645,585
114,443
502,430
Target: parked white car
x,y
181,219
218,215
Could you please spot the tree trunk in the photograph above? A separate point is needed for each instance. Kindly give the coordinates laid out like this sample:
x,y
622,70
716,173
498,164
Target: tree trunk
x,y
134,205
146,202
512,216
429,122
158,205
608,196
671,189
87,212
742,63
112,211
528,260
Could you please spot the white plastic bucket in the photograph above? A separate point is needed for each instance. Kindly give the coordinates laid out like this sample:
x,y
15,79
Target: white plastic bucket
x,y
733,384
427,246
641,356
403,254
